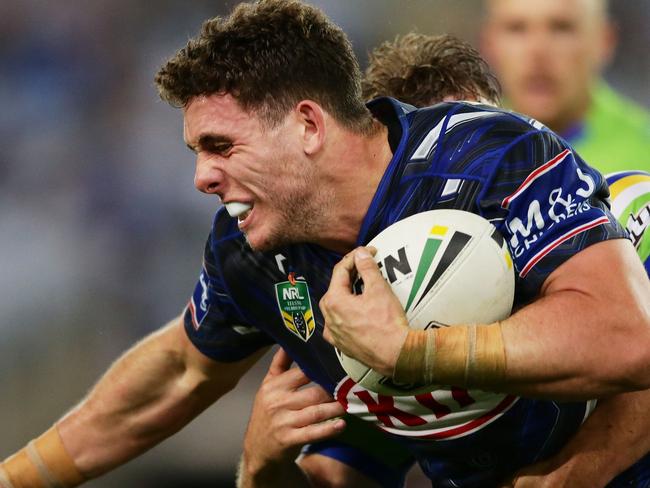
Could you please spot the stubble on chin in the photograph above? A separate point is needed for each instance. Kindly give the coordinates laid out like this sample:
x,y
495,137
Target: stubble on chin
x,y
293,229
274,240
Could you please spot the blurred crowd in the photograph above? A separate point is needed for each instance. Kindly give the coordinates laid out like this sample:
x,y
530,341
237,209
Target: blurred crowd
x,y
101,230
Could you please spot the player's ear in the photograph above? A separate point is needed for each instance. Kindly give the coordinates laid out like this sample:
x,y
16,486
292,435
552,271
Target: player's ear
x,y
311,117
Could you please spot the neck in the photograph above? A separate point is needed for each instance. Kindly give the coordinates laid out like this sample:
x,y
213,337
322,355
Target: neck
x,y
353,168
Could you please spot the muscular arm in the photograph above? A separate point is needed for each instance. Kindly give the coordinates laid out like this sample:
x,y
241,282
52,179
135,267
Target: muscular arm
x,y
589,333
587,336
150,393
611,440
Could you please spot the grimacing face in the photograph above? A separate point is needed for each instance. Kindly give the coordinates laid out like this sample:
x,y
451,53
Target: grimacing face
x,y
243,161
547,55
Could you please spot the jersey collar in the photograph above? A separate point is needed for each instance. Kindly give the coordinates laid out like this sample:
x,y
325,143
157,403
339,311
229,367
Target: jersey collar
x,y
394,115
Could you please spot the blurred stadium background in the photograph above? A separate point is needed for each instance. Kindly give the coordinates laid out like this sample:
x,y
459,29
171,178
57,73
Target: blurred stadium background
x,y
101,231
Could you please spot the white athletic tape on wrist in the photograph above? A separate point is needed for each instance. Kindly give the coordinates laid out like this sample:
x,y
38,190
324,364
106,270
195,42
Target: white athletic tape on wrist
x,y
45,473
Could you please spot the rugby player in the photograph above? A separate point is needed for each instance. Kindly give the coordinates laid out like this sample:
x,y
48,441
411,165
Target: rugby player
x,y
549,56
423,70
273,110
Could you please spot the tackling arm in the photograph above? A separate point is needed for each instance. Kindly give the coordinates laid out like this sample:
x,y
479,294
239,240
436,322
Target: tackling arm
x,y
150,393
588,335
613,437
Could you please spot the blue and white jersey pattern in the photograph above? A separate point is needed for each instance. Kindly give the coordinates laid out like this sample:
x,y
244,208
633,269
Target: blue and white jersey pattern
x,y
546,202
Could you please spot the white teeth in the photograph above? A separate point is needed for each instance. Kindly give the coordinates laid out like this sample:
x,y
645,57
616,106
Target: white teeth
x,y
235,209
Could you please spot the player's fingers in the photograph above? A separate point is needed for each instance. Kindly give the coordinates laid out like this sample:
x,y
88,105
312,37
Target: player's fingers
x,y
315,414
327,334
280,363
318,431
315,433
342,273
310,415
313,395
367,268
287,381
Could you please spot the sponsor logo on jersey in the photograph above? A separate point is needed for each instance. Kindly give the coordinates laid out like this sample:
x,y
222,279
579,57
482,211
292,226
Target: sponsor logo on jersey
x,y
442,414
199,304
540,210
295,307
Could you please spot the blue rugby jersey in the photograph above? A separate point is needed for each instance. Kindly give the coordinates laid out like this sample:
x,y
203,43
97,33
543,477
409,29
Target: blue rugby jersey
x,y
546,202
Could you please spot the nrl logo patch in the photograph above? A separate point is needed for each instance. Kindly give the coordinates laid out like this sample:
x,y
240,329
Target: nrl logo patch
x,y
295,306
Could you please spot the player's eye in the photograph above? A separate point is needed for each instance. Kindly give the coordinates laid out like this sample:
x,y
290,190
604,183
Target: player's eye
x,y
515,27
561,26
222,148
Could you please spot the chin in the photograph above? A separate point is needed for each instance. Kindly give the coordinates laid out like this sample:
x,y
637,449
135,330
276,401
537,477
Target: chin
x,y
266,243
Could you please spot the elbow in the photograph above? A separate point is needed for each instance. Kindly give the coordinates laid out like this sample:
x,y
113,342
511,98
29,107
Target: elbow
x,y
639,372
633,358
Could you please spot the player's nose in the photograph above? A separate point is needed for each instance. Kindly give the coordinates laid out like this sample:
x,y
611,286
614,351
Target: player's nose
x,y
207,178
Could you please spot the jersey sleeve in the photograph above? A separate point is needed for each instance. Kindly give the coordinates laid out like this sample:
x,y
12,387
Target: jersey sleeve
x,y
214,323
548,204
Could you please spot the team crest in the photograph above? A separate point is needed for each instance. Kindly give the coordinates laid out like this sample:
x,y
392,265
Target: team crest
x,y
295,306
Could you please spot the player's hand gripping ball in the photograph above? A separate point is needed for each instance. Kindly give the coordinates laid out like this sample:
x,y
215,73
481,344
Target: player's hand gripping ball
x,y
446,267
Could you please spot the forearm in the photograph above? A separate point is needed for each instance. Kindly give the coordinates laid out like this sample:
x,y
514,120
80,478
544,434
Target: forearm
x,y
561,348
524,355
151,392
589,333
147,395
581,339
613,438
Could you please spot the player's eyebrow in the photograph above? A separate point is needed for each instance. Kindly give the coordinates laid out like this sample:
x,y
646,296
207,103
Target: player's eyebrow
x,y
209,140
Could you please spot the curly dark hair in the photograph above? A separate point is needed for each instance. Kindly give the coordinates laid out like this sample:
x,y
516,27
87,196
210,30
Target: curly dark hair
x,y
422,70
270,55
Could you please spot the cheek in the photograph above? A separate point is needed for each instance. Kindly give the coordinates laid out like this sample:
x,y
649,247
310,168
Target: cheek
x,y
575,64
510,57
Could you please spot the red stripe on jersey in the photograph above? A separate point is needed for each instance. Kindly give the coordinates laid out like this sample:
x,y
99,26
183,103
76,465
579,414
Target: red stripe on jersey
x,y
342,393
545,168
537,257
476,423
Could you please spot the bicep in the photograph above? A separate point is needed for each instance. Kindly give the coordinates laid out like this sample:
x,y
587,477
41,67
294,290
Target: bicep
x,y
588,334
610,273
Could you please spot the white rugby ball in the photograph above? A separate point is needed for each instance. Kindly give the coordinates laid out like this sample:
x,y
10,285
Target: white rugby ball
x,y
446,267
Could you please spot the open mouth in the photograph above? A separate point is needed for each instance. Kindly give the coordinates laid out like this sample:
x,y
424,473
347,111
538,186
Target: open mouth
x,y
240,210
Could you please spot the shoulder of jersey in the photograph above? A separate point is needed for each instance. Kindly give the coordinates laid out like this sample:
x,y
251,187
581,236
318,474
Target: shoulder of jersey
x,y
471,116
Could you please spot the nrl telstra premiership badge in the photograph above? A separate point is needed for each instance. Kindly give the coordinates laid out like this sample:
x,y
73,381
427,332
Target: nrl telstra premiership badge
x,y
295,306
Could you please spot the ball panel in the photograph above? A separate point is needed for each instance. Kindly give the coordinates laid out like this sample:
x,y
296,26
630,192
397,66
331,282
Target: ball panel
x,y
446,267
